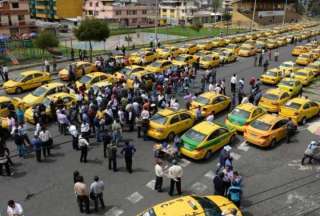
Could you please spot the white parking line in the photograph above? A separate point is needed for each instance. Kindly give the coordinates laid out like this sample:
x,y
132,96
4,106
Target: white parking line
x,y
210,175
244,146
198,188
135,197
114,211
235,155
184,162
151,184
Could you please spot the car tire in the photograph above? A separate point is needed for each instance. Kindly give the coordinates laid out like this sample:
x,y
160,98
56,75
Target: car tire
x,y
170,137
304,121
273,143
232,139
208,155
18,90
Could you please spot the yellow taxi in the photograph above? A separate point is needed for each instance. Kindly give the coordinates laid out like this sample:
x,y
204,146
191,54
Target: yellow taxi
x,y
218,42
92,78
193,205
261,44
314,67
211,102
234,48
201,53
281,41
142,57
205,45
68,100
288,67
271,44
247,50
25,81
299,109
272,99
305,76
159,66
99,86
167,123
305,59
184,59
227,57
204,139
5,104
243,115
240,38
166,52
209,61
272,76
143,77
298,50
315,53
81,68
126,71
189,48
266,131
230,40
40,93
292,86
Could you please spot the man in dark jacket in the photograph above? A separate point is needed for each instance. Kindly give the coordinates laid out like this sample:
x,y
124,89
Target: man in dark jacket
x,y
219,185
128,151
112,156
36,144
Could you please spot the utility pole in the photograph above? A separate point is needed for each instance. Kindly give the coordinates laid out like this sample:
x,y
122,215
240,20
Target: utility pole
x,y
285,13
253,15
156,25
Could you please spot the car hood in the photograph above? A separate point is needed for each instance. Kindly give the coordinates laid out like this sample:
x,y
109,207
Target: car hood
x,y
237,119
10,83
189,143
30,99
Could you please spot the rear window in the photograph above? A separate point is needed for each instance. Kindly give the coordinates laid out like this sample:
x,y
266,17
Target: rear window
x,y
202,100
209,207
195,135
287,83
271,96
85,79
160,119
271,73
260,125
240,113
293,105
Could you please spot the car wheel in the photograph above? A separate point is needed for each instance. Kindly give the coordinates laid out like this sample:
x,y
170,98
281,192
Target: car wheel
x,y
208,155
232,139
304,121
170,136
18,90
273,143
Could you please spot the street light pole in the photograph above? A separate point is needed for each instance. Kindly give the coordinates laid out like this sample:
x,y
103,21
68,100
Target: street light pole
x,y
285,13
254,14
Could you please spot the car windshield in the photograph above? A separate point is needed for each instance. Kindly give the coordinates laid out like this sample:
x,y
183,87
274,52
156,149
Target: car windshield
x,y
195,135
240,113
209,207
202,100
155,64
293,105
85,79
207,58
287,83
125,71
18,78
39,91
271,73
180,58
160,119
260,125
301,73
271,96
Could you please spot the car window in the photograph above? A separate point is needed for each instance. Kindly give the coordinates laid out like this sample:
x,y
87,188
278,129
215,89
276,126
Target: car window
x,y
37,75
96,79
51,91
174,119
306,106
184,116
217,133
219,99
5,105
67,100
285,95
276,125
27,78
313,104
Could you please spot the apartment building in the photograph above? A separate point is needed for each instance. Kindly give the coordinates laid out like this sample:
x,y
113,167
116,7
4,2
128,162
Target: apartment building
x,y
52,10
15,18
127,14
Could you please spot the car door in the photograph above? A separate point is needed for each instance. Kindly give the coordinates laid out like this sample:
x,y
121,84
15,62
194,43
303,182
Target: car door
x,y
277,130
221,103
38,80
284,98
314,109
175,124
95,80
256,113
186,121
217,139
27,82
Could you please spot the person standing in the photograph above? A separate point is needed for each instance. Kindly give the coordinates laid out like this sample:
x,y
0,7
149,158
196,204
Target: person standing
x,y
14,209
36,143
47,65
175,174
255,61
219,185
112,156
46,141
85,130
260,59
234,194
128,151
96,192
233,83
270,54
291,129
276,55
106,139
159,176
83,145
224,155
4,154
5,71
116,131
81,190
74,133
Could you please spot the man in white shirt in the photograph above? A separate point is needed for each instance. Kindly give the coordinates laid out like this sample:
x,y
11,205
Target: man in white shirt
x,y
175,175
245,99
14,209
74,133
233,82
210,117
96,192
211,87
159,176
46,138
83,145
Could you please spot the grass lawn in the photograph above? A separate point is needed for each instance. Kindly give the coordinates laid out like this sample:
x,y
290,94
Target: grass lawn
x,y
189,32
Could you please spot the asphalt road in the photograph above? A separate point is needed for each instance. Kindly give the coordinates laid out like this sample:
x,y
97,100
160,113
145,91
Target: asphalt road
x,y
274,182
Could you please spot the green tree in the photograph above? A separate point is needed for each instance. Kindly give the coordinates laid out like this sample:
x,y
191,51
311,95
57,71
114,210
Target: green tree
x,y
92,30
299,7
45,40
216,4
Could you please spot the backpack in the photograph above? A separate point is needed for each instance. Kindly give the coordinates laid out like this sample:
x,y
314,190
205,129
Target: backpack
x,y
234,193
